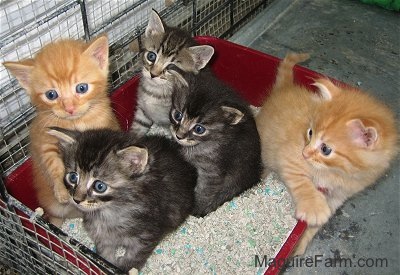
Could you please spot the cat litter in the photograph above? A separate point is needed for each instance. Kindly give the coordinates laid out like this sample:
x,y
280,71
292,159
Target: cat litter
x,y
226,241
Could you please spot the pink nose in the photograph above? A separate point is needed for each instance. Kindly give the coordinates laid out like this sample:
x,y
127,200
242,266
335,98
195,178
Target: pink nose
x,y
306,153
70,110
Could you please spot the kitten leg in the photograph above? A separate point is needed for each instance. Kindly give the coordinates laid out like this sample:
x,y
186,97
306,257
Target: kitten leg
x,y
209,198
141,124
61,194
53,164
54,211
206,194
132,252
266,172
56,221
311,205
305,239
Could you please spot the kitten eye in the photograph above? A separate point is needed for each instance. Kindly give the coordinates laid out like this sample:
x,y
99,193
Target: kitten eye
x,y
178,115
82,88
51,94
151,56
198,129
309,133
72,178
325,150
99,186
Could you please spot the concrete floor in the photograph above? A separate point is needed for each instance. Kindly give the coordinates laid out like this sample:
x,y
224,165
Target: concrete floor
x,y
358,44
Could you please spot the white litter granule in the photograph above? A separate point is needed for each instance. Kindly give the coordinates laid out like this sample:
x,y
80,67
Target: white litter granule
x,y
227,240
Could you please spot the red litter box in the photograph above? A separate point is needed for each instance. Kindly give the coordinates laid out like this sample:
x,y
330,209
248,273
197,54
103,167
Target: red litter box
x,y
44,247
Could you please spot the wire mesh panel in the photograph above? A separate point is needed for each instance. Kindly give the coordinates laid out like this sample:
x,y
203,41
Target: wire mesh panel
x,y
30,245
26,26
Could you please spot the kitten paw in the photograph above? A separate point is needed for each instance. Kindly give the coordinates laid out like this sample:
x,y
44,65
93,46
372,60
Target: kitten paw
x,y
314,212
133,271
56,221
62,195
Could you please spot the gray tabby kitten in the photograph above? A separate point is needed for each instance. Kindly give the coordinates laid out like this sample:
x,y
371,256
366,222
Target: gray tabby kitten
x,y
218,135
132,192
168,51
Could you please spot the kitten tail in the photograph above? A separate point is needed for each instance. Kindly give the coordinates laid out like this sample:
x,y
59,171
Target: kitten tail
x,y
284,75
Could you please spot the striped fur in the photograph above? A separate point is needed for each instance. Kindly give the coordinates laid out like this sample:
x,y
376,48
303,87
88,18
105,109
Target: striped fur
x,y
174,52
148,194
218,135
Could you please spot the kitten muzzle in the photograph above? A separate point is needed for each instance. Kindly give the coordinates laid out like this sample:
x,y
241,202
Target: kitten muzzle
x,y
77,201
178,137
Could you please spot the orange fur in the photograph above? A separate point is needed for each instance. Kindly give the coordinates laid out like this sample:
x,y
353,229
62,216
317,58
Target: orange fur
x,y
359,131
60,66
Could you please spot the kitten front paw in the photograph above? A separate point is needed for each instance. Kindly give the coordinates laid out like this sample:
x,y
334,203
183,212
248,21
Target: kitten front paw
x,y
62,195
314,212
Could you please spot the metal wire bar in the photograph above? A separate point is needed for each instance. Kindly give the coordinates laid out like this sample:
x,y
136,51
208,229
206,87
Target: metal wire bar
x,y
85,23
34,24
31,245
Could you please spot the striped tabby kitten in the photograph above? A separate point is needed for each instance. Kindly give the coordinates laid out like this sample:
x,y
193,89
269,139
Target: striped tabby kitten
x,y
326,146
67,83
131,191
168,51
218,135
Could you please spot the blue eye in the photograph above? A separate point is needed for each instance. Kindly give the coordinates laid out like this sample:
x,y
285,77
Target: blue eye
x,y
151,56
325,150
72,178
198,129
82,88
178,115
99,186
51,94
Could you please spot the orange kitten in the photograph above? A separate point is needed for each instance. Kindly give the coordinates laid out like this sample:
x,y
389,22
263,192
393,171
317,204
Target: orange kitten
x,y
326,146
67,83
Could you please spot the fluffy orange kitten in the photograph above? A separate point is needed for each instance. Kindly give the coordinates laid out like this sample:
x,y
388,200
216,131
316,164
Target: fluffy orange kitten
x,y
67,83
326,146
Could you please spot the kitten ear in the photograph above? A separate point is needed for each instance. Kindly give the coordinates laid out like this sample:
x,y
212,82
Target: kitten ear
x,y
362,136
234,116
326,88
135,159
64,136
98,49
22,71
201,55
155,25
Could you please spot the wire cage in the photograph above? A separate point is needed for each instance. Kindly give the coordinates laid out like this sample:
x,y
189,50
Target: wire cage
x,y
30,245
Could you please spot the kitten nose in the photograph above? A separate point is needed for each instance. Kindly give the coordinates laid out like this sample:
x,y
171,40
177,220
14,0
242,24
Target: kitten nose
x,y
78,197
179,137
152,75
68,106
78,201
70,110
